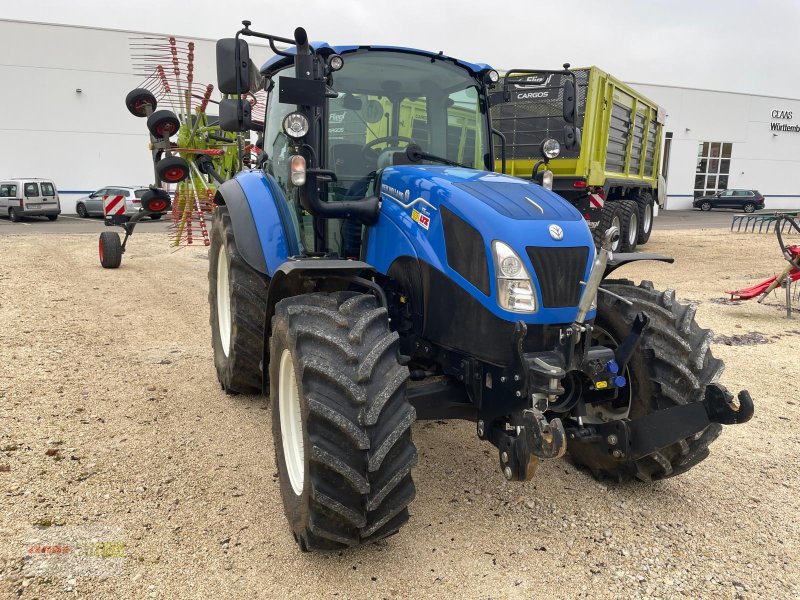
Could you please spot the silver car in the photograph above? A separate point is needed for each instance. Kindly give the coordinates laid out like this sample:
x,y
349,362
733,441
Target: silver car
x,y
92,205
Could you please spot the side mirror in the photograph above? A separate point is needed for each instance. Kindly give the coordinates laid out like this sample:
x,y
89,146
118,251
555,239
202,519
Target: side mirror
x,y
229,65
234,115
572,137
570,104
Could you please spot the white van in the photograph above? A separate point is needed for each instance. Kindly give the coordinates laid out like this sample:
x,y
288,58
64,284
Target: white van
x,y
29,197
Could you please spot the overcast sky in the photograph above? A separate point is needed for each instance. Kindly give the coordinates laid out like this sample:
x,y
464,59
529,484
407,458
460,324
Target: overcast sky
x,y
737,45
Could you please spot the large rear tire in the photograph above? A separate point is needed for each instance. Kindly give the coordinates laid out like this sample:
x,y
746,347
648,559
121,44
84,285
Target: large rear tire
x,y
610,216
629,215
237,296
645,204
341,421
672,366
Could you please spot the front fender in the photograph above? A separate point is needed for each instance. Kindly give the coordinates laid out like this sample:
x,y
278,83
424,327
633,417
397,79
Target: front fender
x,y
264,231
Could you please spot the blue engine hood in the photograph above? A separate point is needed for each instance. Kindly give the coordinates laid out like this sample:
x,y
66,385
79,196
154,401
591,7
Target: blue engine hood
x,y
500,207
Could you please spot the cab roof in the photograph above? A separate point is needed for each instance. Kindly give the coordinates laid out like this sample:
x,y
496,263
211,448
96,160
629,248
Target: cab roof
x,y
278,62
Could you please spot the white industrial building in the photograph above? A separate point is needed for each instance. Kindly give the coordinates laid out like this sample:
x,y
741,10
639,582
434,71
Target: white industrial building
x,y
64,118
724,140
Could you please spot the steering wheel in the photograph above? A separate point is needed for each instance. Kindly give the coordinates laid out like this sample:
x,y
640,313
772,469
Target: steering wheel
x,y
369,149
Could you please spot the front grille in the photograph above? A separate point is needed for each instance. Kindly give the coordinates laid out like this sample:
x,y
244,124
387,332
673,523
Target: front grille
x,y
560,272
466,253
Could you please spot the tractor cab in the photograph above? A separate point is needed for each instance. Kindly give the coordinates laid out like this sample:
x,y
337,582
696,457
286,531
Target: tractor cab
x,y
379,103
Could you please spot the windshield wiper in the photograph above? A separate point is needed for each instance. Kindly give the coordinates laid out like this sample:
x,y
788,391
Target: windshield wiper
x,y
416,154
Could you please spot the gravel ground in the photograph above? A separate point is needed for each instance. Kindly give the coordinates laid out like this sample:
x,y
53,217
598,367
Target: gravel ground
x,y
111,420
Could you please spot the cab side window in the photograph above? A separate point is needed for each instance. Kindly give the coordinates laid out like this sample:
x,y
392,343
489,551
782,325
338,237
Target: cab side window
x,y
31,189
5,191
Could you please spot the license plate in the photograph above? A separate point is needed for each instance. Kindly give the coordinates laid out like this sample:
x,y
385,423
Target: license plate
x,y
31,206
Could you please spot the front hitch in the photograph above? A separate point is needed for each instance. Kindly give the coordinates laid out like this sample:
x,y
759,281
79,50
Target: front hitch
x,y
521,447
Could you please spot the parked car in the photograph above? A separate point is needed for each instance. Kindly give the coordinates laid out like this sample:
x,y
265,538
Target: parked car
x,y
746,200
92,205
29,197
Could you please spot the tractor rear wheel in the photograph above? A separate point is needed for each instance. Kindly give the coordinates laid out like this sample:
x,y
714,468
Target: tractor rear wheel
x,y
672,366
645,204
341,421
629,215
237,296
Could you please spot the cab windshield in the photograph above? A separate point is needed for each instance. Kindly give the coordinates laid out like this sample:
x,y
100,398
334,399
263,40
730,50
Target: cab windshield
x,y
387,100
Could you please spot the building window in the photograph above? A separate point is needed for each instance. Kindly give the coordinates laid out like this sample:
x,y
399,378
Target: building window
x,y
713,167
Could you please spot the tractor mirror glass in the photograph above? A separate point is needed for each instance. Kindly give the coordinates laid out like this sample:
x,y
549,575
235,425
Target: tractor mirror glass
x,y
228,66
572,137
234,115
569,100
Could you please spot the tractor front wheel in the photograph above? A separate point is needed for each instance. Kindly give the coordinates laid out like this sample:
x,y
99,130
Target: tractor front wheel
x,y
237,295
673,365
341,421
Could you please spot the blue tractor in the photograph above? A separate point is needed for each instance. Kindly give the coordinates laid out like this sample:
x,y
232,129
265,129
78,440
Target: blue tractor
x,y
372,270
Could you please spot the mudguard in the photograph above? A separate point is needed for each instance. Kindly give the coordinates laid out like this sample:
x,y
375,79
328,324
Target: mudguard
x,y
262,225
623,258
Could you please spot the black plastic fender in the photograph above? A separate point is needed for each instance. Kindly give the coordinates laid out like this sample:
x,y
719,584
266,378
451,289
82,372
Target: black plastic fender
x,y
623,258
303,275
231,195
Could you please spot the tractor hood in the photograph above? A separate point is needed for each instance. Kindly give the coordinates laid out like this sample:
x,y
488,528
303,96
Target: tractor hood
x,y
448,218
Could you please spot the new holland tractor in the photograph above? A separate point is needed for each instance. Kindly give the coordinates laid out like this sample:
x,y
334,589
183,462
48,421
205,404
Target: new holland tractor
x,y
371,270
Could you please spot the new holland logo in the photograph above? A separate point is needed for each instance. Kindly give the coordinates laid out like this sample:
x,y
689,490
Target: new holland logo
x,y
556,232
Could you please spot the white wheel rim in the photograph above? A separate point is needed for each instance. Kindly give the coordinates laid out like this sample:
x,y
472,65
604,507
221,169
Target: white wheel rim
x,y
647,222
291,423
223,301
633,229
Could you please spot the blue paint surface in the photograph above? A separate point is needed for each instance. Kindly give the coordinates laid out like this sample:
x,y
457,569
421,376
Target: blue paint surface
x,y
522,218
263,199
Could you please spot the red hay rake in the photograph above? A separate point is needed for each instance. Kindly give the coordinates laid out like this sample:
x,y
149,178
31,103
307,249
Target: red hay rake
x,y
787,279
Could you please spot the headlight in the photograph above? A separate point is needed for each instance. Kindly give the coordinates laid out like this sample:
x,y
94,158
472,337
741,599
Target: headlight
x,y
551,148
514,286
492,76
295,125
